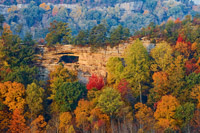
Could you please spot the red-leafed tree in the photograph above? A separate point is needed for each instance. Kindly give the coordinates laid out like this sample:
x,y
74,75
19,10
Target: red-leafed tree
x,y
123,87
183,47
95,82
177,21
17,124
192,66
180,39
126,91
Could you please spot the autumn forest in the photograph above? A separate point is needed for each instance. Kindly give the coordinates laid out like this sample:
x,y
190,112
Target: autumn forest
x,y
156,91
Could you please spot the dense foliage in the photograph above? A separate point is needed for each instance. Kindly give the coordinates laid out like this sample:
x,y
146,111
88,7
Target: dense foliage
x,y
144,91
36,16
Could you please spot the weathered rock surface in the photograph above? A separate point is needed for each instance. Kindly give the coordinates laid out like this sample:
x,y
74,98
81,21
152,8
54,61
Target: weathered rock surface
x,y
88,62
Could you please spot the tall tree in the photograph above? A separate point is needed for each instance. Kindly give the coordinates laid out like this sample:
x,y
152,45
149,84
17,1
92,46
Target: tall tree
x,y
13,95
118,34
161,85
176,73
162,55
110,103
66,122
68,94
82,113
165,112
145,116
97,36
34,98
137,70
184,114
58,33
82,38
114,67
17,123
2,19
38,125
58,77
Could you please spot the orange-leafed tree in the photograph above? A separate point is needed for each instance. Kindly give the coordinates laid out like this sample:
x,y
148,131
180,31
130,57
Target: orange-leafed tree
x,y
7,34
99,119
195,94
82,113
45,6
5,117
38,125
144,116
160,82
13,95
17,123
165,112
177,21
95,82
12,9
66,122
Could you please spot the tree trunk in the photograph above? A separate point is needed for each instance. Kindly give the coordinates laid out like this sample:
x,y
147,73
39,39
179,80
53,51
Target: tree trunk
x,y
140,87
119,126
31,120
188,128
112,125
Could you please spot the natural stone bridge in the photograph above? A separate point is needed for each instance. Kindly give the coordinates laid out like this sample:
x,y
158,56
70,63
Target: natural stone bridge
x,y
81,59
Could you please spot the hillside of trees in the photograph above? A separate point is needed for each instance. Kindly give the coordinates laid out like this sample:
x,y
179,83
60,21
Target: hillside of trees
x,y
97,2
36,16
94,2
143,92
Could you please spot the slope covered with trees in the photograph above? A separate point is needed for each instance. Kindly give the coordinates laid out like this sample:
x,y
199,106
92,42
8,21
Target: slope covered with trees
x,y
157,91
35,17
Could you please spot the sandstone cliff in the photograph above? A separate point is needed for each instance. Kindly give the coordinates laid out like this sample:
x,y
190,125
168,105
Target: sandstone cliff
x,y
88,62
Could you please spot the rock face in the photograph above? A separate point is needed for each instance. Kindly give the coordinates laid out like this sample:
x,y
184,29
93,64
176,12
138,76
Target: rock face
x,y
88,62
131,6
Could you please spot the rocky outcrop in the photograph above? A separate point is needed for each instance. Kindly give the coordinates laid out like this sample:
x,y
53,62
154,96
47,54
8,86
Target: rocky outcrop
x,y
131,6
88,62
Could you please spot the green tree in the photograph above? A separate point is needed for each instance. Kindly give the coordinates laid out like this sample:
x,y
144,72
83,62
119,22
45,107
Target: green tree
x,y
58,77
137,70
118,35
162,55
114,67
176,73
18,57
2,19
97,36
58,33
34,98
22,74
171,32
68,95
184,113
110,102
82,38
